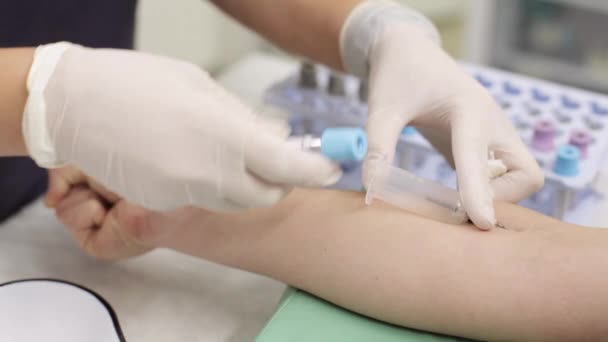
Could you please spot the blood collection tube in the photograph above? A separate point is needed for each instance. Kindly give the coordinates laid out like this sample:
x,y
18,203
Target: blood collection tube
x,y
341,144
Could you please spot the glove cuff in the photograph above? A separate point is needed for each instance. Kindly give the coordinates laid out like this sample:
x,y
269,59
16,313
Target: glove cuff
x,y
34,125
365,22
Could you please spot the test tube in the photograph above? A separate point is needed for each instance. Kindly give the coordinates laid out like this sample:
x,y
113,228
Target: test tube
x,y
336,85
341,144
407,191
544,136
581,140
308,75
363,91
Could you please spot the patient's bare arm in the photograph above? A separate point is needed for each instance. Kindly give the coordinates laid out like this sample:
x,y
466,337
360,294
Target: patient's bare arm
x,y
540,279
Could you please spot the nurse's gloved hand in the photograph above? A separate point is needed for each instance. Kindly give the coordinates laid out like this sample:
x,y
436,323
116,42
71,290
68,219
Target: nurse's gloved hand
x,y
413,81
159,132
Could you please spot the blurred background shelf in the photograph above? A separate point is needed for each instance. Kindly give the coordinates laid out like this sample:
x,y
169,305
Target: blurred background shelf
x,y
197,31
543,67
559,40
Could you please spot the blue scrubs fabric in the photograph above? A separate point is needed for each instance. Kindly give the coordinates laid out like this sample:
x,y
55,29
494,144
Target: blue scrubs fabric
x,y
94,23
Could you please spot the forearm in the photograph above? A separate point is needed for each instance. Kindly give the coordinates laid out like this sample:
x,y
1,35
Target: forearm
x,y
14,66
307,27
523,283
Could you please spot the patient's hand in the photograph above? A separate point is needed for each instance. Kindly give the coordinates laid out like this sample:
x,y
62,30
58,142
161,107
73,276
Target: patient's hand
x,y
103,224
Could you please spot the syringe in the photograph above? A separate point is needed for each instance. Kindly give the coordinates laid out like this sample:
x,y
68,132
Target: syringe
x,y
341,144
410,192
389,184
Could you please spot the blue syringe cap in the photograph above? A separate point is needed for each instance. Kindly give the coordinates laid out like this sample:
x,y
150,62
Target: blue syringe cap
x,y
408,130
344,143
566,163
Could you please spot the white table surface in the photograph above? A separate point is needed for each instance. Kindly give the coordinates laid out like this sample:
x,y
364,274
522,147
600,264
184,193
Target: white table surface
x,y
161,296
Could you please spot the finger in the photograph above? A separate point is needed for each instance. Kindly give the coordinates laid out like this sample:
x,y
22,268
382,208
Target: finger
x,y
243,192
470,150
76,196
273,160
213,196
523,178
384,127
496,168
102,191
222,205
60,182
437,139
252,192
82,213
125,232
276,126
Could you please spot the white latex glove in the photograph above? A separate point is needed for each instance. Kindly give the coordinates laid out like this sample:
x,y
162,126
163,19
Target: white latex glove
x,y
413,81
159,132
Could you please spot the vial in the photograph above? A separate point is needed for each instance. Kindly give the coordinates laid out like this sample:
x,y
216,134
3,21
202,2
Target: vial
x,y
581,140
341,144
544,136
308,76
363,91
566,163
336,85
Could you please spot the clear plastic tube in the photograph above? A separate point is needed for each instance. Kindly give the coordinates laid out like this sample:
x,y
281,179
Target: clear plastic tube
x,y
306,142
412,193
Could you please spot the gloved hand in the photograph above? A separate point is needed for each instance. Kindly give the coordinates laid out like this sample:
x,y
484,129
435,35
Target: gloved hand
x,y
414,82
159,132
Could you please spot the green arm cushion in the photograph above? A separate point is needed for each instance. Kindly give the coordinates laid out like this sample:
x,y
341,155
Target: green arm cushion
x,y
302,317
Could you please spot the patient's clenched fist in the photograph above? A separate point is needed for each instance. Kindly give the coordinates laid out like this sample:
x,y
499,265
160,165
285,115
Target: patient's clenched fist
x,y
104,225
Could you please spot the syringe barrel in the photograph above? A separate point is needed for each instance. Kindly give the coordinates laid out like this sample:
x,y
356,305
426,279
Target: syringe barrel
x,y
407,191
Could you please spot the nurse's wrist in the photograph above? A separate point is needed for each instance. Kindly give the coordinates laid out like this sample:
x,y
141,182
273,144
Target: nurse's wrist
x,y
14,64
36,134
368,22
403,39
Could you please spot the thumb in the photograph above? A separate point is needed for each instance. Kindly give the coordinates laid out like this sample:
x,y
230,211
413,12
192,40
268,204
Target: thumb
x,y
121,234
384,128
470,150
274,160
61,181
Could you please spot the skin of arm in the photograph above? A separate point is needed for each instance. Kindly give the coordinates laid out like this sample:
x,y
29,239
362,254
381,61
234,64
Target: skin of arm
x,y
538,280
15,65
306,27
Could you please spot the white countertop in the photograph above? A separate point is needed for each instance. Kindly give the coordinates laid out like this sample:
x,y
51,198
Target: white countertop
x,y
161,296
